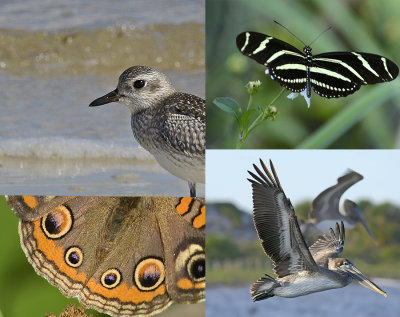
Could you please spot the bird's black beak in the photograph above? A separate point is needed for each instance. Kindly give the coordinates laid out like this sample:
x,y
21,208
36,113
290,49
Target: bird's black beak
x,y
110,97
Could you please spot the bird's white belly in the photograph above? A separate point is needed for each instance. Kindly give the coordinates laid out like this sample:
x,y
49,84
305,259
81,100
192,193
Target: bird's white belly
x,y
325,225
303,286
187,168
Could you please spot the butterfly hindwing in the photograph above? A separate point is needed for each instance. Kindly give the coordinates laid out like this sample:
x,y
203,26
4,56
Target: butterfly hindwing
x,y
185,252
330,75
120,255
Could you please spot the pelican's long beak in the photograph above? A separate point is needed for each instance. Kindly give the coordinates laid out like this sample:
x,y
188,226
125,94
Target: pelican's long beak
x,y
362,279
112,96
357,210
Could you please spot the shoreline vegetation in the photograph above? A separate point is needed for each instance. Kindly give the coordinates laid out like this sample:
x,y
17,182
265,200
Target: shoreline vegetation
x,y
235,256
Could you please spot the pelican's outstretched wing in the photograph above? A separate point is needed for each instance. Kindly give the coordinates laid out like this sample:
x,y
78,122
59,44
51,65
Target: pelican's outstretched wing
x,y
326,205
328,247
276,224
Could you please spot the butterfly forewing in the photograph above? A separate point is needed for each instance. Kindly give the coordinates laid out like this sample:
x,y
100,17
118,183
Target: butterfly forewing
x,y
262,47
338,74
277,56
363,68
125,256
331,75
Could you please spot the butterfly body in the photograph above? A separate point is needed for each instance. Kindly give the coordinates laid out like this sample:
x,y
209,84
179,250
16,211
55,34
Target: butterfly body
x,y
125,256
330,75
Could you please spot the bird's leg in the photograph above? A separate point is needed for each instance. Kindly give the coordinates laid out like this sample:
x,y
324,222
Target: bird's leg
x,y
192,188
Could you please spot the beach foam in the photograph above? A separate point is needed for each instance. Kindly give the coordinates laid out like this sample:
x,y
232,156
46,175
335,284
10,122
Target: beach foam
x,y
62,148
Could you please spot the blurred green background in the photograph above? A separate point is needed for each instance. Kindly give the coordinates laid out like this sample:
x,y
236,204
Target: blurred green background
x,y
24,293
367,119
235,255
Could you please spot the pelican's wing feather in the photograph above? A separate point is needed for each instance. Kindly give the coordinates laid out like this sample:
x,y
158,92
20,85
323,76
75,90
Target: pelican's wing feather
x,y
276,224
326,204
328,247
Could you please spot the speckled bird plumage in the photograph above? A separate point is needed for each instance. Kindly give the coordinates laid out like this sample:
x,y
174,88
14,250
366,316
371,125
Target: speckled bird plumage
x,y
168,124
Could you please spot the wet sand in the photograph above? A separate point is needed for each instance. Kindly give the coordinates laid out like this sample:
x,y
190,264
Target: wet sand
x,y
103,51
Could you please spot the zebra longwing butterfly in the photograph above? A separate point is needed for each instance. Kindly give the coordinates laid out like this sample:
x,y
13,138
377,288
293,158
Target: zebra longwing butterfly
x,y
330,75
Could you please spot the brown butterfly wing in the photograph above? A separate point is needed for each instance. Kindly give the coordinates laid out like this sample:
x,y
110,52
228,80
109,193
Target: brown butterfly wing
x,y
185,251
118,255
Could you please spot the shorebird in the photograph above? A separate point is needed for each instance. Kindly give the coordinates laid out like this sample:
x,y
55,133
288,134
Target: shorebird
x,y
168,124
300,270
326,209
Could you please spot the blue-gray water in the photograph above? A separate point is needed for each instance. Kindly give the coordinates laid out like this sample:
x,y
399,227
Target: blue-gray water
x,y
51,15
351,301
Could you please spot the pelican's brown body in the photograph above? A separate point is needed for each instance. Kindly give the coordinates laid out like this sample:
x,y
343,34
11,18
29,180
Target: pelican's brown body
x,y
300,270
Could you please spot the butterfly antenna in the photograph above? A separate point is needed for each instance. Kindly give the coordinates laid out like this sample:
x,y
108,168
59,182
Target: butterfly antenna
x,y
320,35
291,32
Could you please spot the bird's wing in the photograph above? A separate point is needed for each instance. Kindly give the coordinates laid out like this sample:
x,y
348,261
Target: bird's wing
x,y
184,126
326,204
276,224
328,247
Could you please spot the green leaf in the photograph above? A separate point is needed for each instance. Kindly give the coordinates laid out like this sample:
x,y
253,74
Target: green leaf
x,y
229,105
245,118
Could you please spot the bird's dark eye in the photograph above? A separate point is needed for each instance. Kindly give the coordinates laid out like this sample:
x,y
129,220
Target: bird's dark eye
x,y
139,83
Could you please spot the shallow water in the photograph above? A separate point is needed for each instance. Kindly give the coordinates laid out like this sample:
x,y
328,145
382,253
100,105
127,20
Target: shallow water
x,y
54,111
352,301
53,15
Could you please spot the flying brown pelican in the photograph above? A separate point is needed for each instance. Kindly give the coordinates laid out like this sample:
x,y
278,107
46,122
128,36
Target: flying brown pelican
x,y
300,270
325,207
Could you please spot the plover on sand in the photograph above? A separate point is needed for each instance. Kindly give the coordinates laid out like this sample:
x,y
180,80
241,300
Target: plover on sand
x,y
168,124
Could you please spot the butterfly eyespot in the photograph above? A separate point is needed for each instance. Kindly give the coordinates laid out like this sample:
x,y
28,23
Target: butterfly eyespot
x,y
192,260
111,278
139,83
197,267
74,257
149,274
57,223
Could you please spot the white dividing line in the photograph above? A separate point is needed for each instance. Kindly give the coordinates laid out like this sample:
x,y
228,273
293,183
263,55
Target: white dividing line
x,y
365,63
332,60
328,72
280,53
292,66
262,45
246,42
385,65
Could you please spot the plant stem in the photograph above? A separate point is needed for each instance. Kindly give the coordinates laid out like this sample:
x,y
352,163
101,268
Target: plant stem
x,y
250,102
261,117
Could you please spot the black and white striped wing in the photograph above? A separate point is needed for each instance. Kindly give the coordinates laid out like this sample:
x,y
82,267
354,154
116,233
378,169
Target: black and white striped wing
x,y
330,75
338,74
285,62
